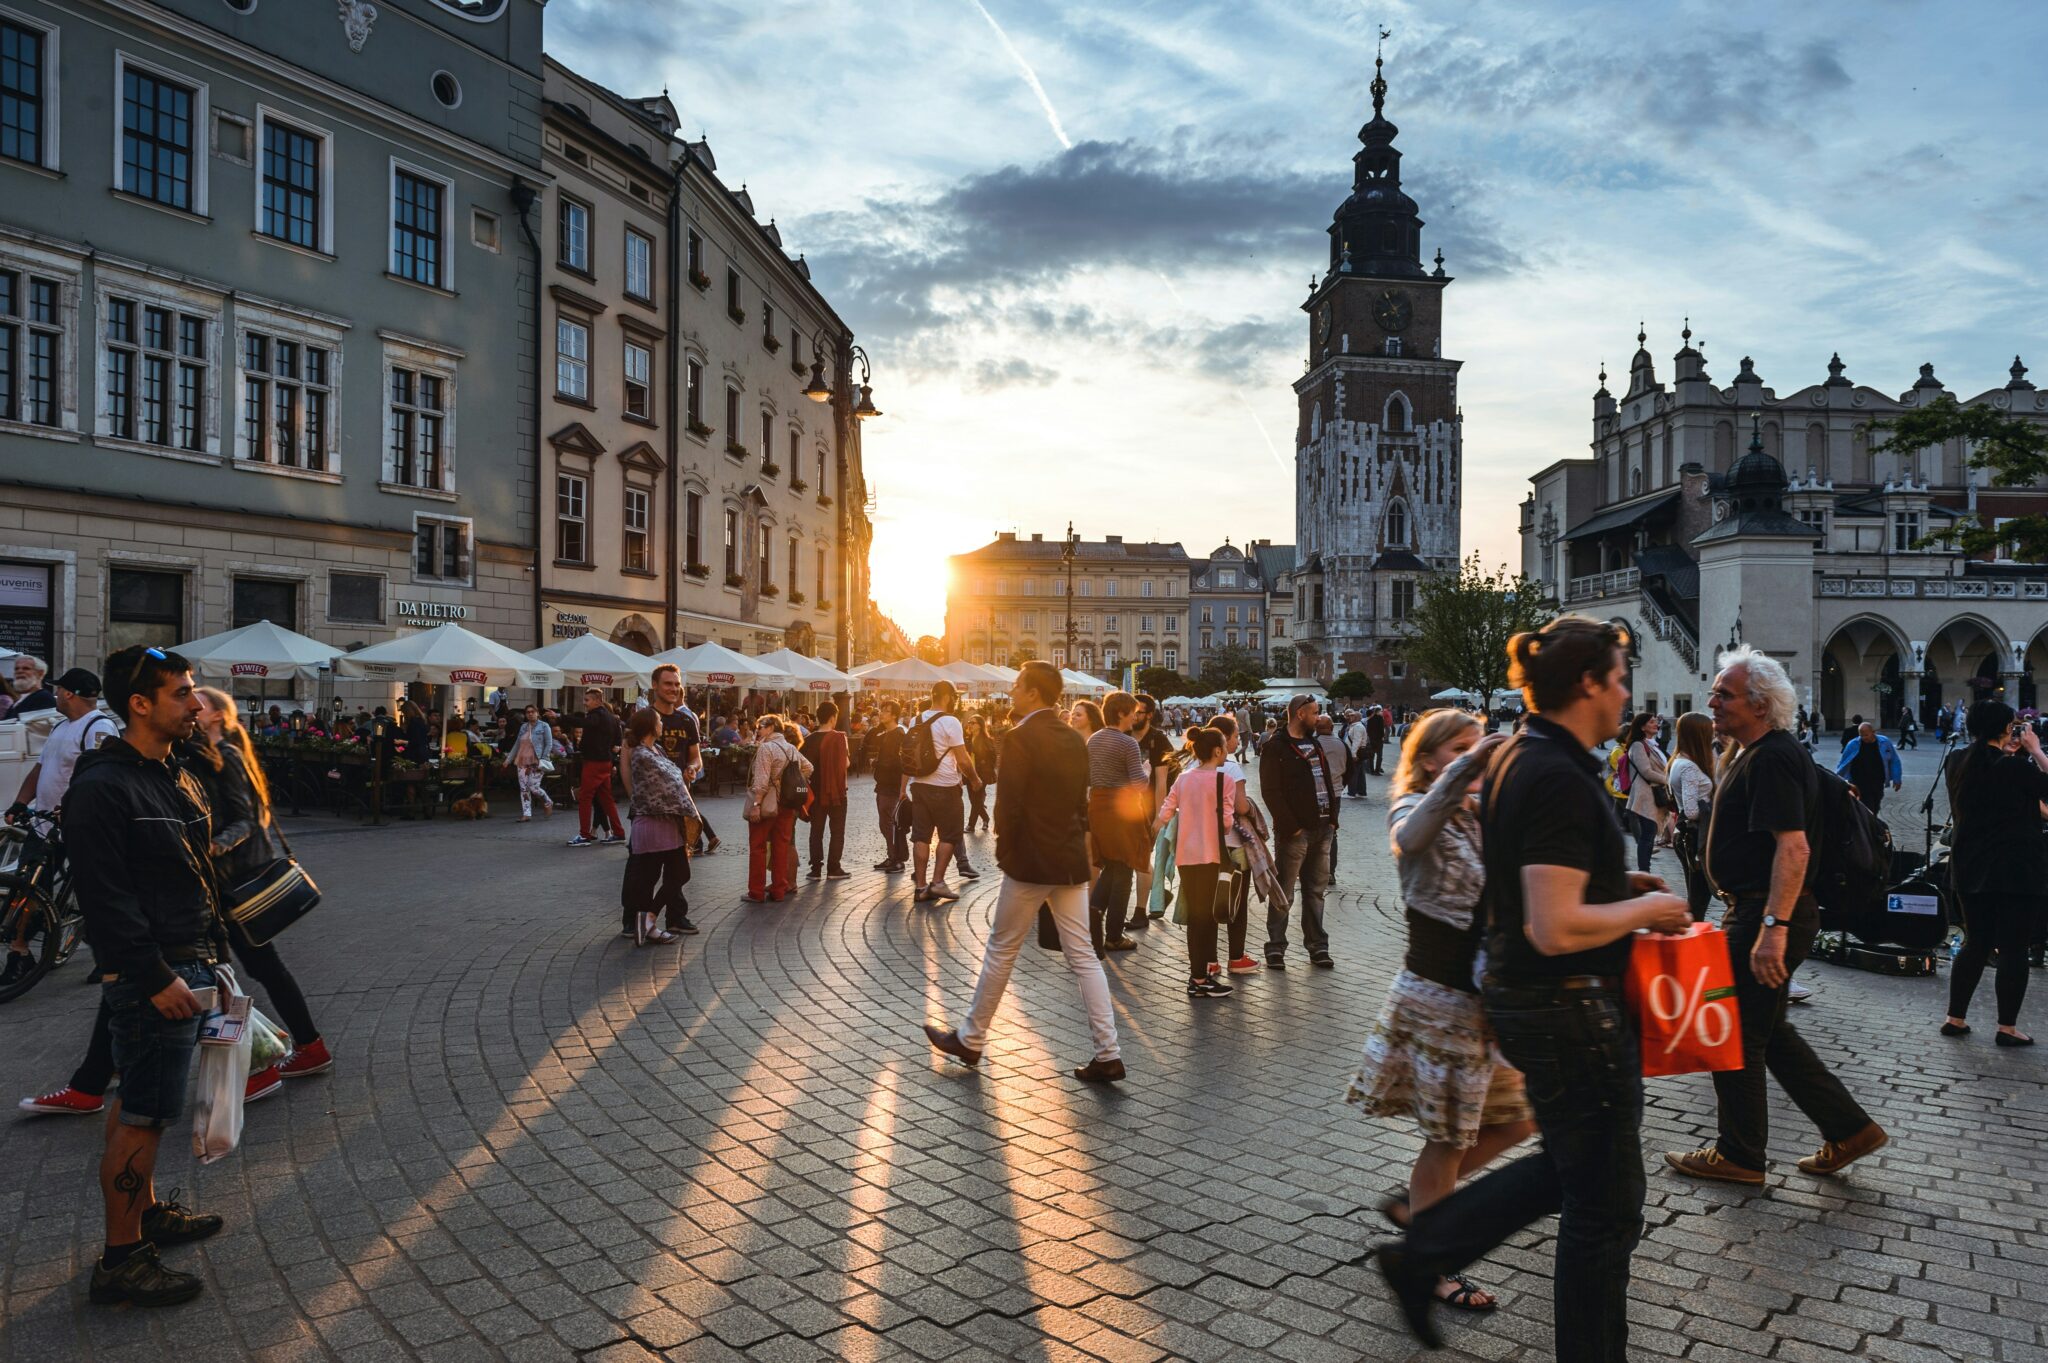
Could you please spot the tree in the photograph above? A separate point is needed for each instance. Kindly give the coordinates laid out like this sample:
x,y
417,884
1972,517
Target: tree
x,y
1351,686
2012,447
1460,627
1161,682
931,649
1232,668
1284,661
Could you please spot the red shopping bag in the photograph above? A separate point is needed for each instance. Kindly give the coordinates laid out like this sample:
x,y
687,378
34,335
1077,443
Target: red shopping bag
x,y
1682,992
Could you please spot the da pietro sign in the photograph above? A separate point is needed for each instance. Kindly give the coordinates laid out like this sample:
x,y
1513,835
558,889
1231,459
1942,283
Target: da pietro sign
x,y
425,614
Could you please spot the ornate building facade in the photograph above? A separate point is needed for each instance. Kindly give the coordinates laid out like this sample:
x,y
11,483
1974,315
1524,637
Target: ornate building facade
x,y
1379,464
1226,606
1008,602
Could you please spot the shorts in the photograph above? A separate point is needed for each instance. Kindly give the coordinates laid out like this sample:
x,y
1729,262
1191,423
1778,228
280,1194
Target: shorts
x,y
935,809
153,1052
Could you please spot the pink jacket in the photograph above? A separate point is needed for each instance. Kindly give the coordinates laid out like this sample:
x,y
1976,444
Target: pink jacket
x,y
1197,841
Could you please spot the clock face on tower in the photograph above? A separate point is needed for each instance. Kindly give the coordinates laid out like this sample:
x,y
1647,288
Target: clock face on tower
x,y
1393,311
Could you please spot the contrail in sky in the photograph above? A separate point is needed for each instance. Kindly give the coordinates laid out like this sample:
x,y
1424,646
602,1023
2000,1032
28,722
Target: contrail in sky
x,y
1271,448
1052,115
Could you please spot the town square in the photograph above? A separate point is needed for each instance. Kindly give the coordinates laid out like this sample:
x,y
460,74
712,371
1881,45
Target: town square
x,y
1134,682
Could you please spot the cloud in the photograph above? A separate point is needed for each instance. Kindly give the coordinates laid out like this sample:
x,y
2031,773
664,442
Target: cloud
x,y
990,375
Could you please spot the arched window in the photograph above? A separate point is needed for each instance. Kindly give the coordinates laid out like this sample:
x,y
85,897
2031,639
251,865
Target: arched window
x,y
1315,421
1724,445
1397,525
1635,481
1817,448
1395,418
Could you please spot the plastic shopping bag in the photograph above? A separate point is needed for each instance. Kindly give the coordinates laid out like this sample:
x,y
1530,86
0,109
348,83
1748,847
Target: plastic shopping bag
x,y
1682,992
226,1042
268,1042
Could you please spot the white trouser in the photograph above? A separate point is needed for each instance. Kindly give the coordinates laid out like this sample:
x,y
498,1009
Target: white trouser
x,y
1016,922
530,786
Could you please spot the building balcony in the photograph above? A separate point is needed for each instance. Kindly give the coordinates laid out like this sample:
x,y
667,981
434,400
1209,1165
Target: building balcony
x,y
1936,588
1599,586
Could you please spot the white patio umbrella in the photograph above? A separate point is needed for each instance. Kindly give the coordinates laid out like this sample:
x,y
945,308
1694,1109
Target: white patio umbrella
x,y
447,655
1454,693
589,660
808,673
1081,684
974,678
905,674
709,664
1005,675
262,651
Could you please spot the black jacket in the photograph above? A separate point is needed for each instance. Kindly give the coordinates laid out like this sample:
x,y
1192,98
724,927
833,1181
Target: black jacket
x,y
1287,783
136,833
1042,803
244,840
886,748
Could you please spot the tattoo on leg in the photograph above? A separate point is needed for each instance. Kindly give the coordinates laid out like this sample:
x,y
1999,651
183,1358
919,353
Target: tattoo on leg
x,y
131,1183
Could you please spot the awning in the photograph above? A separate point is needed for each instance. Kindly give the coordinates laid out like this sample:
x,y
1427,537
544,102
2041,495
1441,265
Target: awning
x,y
1621,517
1400,560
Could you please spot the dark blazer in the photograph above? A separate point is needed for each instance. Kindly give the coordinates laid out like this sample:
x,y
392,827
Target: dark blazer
x,y
1042,803
1287,783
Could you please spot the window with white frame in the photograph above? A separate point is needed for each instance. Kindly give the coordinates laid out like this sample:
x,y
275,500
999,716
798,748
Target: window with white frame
x,y
732,544
28,92
290,385
1905,530
824,489
639,380
572,359
419,227
1227,577
420,398
1173,624
155,363
1397,525
34,316
1208,638
1110,622
1144,657
1251,638
159,156
693,529
639,265
693,394
1172,657
1145,587
1109,587
766,559
293,203
1402,603
819,594
572,234
1230,615
1396,669
732,419
1145,623
572,518
441,549
1230,638
795,570
1109,655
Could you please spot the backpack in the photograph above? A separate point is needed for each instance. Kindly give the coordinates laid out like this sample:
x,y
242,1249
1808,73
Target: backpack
x,y
794,790
920,751
1852,852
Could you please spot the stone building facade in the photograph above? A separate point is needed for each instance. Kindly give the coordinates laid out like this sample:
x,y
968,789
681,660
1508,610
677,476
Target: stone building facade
x,y
266,330
1227,595
1379,459
1708,514
1008,603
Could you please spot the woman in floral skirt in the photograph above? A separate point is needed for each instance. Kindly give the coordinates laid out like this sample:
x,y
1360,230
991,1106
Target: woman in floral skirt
x,y
1431,1054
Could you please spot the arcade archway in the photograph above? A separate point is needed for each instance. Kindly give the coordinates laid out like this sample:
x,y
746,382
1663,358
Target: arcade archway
x,y
1862,673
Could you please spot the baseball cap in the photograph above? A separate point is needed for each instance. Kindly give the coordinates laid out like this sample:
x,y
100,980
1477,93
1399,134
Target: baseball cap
x,y
79,682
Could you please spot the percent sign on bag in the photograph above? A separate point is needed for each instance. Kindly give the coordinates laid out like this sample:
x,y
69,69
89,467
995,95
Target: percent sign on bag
x,y
1682,991
1700,1012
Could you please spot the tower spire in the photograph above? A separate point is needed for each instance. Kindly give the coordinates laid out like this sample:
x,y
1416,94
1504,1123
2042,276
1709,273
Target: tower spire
x,y
1379,79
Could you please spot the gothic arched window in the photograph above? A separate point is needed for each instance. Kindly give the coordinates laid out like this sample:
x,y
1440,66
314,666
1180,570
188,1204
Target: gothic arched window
x,y
1315,421
1395,419
1397,525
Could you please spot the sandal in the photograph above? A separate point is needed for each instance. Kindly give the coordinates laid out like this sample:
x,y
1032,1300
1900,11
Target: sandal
x,y
1395,1211
1464,1296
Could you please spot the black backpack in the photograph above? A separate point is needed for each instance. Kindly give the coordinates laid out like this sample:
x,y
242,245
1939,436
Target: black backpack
x,y
920,752
794,790
1852,853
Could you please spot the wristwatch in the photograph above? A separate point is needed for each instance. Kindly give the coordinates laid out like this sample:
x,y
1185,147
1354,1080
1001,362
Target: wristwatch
x,y
1771,920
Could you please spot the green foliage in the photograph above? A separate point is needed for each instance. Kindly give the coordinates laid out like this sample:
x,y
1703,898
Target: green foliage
x,y
1231,668
1351,686
1162,682
1459,630
932,650
1285,660
2012,447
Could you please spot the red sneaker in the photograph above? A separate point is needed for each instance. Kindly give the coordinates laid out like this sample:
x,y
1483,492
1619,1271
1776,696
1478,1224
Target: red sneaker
x,y
66,1101
262,1084
1243,965
311,1058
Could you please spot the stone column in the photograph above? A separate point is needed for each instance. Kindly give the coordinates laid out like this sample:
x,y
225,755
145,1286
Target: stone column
x,y
1912,680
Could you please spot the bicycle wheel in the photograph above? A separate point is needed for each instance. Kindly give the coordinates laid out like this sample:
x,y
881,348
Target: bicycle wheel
x,y
45,937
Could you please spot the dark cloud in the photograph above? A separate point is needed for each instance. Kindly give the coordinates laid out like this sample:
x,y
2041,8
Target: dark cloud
x,y
990,375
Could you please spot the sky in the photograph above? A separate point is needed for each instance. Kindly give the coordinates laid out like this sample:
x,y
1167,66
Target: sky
x,y
1074,238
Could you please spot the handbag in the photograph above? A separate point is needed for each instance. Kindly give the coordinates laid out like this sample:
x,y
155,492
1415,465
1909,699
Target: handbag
x,y
1682,992
1660,792
272,900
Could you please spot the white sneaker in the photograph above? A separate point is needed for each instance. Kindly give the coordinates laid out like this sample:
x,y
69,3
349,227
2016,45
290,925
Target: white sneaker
x,y
1797,992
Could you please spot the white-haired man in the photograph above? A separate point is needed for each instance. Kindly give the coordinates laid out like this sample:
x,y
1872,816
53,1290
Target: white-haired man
x,y
31,689
1759,861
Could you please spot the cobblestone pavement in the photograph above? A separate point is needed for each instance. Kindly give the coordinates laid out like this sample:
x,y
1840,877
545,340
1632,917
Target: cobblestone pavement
x,y
541,1143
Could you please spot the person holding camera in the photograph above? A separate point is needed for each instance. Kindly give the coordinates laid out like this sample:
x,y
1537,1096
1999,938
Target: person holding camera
x,y
1999,862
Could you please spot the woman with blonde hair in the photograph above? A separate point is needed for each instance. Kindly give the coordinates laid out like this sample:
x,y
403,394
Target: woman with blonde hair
x,y
1431,1054
1692,786
771,827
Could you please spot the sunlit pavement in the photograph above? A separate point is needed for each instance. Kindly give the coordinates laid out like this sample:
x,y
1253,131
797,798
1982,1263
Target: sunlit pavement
x,y
540,1142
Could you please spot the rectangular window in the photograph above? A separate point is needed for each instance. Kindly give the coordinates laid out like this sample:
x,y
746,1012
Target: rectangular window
x,y
635,525
693,393
1208,639
639,377
291,185
732,416
572,235
732,544
1173,624
571,540
1230,615
419,409
767,563
1144,657
156,374
30,335
1403,602
1027,620
254,600
1172,657
418,209
693,529
1227,577
355,598
572,359
795,474
1109,655
1905,529
1109,587
732,295
767,437
823,489
483,229
1251,639
157,156
639,266
1145,587
145,608
22,68
819,595
795,574
441,550
1110,622
1145,624
286,401
768,319
693,258
1230,638
1208,614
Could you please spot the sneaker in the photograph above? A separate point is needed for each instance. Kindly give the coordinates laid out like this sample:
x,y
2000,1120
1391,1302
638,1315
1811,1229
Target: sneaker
x,y
1321,959
19,965
168,1222
143,1280
311,1058
65,1102
941,890
816,874
580,841
685,928
1709,1164
1243,965
262,1084
1218,987
969,873
837,873
1795,992
1276,963
1835,1156
889,866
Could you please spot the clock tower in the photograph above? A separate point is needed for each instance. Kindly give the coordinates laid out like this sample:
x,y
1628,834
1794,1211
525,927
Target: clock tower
x,y
1379,465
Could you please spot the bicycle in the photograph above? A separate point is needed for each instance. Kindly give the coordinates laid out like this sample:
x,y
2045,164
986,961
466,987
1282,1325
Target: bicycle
x,y
39,906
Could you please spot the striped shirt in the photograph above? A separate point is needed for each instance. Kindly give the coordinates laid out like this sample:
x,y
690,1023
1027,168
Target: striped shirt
x,y
1115,759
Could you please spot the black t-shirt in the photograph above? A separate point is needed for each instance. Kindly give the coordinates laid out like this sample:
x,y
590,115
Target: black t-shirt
x,y
1544,806
1771,788
887,746
1998,844
679,734
1158,750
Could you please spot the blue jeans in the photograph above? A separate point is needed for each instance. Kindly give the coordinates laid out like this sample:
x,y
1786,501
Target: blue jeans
x,y
1580,1061
1109,902
152,1052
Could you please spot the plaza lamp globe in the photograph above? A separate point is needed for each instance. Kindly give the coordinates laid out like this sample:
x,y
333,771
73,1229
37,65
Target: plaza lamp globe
x,y
817,390
866,408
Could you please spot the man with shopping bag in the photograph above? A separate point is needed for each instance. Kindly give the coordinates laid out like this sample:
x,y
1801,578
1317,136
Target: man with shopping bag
x,y
137,825
1759,862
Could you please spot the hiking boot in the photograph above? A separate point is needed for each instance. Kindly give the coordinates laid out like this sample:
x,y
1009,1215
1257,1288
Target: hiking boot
x,y
1709,1164
143,1280
1835,1156
168,1222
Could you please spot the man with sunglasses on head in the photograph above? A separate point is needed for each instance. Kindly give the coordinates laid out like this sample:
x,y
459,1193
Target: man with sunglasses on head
x,y
138,828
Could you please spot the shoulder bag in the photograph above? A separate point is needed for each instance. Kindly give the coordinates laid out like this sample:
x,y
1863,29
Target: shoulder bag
x,y
1660,792
272,900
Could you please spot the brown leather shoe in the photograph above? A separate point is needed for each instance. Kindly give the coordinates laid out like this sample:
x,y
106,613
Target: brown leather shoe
x,y
1100,1071
1835,1156
949,1041
1710,1164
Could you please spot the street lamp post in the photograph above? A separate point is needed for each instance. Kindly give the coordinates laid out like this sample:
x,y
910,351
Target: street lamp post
x,y
848,412
1067,557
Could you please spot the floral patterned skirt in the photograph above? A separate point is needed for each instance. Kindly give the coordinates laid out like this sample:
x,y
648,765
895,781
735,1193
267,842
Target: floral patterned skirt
x,y
1431,1056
